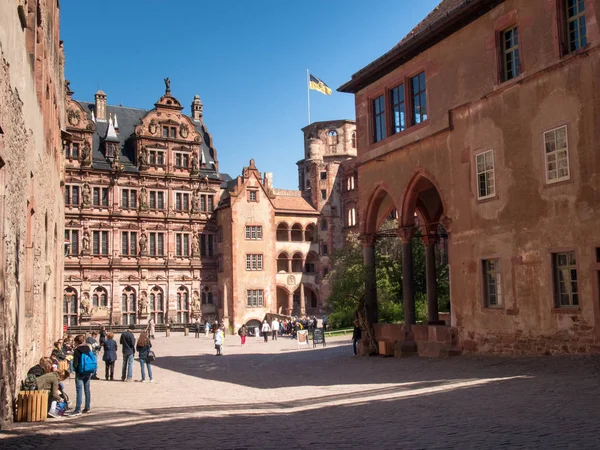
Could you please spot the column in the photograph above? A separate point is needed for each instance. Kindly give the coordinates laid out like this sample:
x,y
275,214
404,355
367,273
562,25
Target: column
x,y
368,242
302,300
289,263
290,304
408,279
289,234
225,306
430,271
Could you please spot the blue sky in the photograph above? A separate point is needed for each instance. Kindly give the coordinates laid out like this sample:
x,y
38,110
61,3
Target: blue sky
x,y
247,60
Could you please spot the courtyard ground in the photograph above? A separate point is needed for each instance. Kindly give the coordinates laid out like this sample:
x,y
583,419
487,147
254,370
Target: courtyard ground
x,y
276,396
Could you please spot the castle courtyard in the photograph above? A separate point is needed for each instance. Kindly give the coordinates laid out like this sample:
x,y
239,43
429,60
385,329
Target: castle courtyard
x,y
277,396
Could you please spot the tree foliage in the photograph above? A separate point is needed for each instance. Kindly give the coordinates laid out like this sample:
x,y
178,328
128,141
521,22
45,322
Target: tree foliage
x,y
347,278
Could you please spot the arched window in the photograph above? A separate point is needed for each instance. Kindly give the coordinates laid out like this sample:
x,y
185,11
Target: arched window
x,y
128,306
282,263
297,263
207,296
310,266
353,138
183,305
70,307
309,233
157,310
297,234
283,232
99,298
351,216
332,138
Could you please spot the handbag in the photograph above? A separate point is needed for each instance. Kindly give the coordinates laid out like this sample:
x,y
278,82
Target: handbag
x,y
151,356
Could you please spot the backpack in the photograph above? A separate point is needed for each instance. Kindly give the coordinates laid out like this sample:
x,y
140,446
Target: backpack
x,y
151,356
87,364
29,383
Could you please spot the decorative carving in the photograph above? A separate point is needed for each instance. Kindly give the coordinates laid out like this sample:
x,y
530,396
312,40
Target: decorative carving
x,y
86,155
167,85
195,202
195,301
205,184
74,117
195,163
143,198
144,303
195,246
68,87
143,158
143,243
85,242
184,130
86,194
197,139
85,304
291,280
152,127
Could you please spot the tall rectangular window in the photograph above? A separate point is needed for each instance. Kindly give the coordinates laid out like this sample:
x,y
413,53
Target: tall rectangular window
x,y
182,244
379,133
211,245
202,245
75,150
254,262
486,187
491,283
255,297
419,98
398,110
323,194
156,243
100,197
129,243
72,237
128,198
253,232
511,64
210,200
557,155
100,242
564,268
575,26
72,195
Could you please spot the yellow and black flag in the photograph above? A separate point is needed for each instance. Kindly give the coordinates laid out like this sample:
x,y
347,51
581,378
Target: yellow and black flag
x,y
318,85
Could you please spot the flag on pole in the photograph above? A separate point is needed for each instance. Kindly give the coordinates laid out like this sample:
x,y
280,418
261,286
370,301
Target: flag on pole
x,y
318,85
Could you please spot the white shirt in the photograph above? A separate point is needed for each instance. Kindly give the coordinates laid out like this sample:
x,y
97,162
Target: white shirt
x,y
265,327
275,325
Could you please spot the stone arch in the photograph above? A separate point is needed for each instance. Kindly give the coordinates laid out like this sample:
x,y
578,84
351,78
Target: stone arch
x,y
423,197
283,262
297,233
282,294
157,304
310,232
129,305
283,232
380,204
70,306
297,262
312,262
99,297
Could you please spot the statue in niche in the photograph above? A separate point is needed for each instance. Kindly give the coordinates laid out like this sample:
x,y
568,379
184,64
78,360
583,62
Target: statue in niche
x,y
86,155
195,245
86,194
143,243
143,198
85,241
85,305
195,163
144,303
195,202
143,157
195,301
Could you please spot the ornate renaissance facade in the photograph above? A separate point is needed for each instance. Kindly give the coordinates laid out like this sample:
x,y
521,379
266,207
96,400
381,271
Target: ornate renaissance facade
x,y
154,230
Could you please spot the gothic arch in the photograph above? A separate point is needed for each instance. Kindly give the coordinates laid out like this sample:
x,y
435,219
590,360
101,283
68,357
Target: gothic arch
x,y
381,203
422,197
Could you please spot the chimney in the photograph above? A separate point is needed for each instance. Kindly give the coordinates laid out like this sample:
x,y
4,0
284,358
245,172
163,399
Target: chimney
x,y
197,109
100,106
268,180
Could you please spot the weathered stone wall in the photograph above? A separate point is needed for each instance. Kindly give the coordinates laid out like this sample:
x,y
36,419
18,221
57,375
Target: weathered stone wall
x,y
31,200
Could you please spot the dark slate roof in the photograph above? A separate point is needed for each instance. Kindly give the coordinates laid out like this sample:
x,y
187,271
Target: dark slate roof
x,y
128,119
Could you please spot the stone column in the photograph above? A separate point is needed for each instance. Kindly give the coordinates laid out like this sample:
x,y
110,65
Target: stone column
x,y
290,305
302,300
225,306
368,242
430,271
408,280
289,261
289,234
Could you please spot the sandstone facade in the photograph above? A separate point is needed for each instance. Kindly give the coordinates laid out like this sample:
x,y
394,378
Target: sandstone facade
x,y
32,114
495,138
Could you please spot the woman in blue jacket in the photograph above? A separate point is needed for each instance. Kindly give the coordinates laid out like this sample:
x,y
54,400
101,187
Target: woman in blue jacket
x,y
110,355
143,347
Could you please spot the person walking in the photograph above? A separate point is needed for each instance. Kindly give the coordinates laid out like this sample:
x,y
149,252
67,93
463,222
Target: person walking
x,y
243,332
143,347
110,356
151,328
356,336
274,329
219,339
128,349
265,331
82,375
197,327
206,328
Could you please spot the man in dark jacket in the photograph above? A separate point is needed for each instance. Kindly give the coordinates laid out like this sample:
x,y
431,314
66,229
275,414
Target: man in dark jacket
x,y
356,336
128,346
197,327
82,381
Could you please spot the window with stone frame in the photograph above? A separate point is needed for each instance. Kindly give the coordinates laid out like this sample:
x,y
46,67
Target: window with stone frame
x,y
210,245
379,131
156,244
70,307
398,109
254,262
207,296
323,225
182,244
210,200
128,243
324,249
100,197
252,195
575,25
564,270
333,140
182,201
71,149
72,238
100,298
72,195
350,184
486,183
156,199
157,305
183,305
182,160
353,139
351,220
556,150
492,287
511,62
255,298
253,232
128,198
100,242
323,194
156,158
128,306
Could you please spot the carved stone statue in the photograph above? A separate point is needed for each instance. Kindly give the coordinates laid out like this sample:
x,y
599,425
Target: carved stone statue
x,y
195,202
195,245
143,157
195,301
143,198
143,243
167,85
86,155
195,163
85,305
86,194
85,242
144,303
68,87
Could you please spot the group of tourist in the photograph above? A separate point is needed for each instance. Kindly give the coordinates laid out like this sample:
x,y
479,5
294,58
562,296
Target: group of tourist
x,y
79,356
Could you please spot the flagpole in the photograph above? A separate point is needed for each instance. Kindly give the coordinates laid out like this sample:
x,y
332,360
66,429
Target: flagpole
x,y
308,93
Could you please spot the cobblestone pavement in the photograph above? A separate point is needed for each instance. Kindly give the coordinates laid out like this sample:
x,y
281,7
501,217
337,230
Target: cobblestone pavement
x,y
276,396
